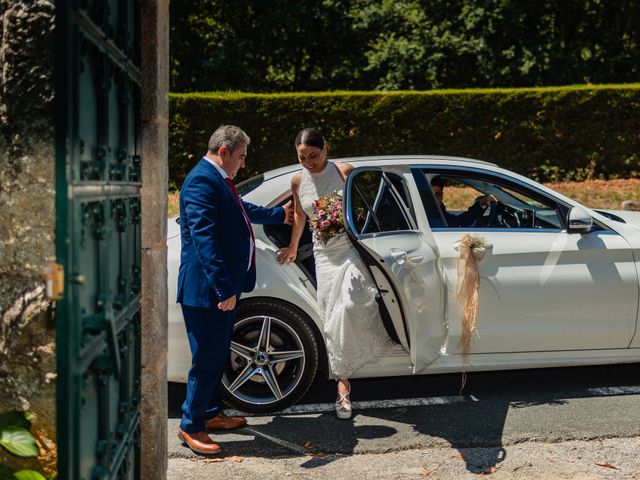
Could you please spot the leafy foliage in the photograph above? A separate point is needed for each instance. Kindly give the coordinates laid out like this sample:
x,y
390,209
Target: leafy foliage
x,y
8,474
17,439
258,46
28,475
14,419
562,133
15,435
401,44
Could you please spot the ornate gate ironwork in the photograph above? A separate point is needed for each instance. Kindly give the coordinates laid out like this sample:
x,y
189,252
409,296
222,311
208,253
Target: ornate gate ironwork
x,y
98,237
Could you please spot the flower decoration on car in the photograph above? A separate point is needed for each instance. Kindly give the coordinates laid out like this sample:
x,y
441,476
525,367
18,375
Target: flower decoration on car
x,y
471,250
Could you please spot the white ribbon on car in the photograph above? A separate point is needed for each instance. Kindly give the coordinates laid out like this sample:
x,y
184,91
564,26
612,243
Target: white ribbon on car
x,y
471,250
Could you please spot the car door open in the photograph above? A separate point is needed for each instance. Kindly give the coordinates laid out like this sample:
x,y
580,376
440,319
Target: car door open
x,y
402,258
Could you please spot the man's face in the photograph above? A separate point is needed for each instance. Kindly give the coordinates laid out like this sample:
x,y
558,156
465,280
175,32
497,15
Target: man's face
x,y
233,160
438,192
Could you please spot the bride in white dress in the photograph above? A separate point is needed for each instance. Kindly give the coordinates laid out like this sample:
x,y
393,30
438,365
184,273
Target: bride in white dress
x,y
353,329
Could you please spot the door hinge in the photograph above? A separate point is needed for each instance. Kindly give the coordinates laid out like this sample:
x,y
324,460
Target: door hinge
x,y
54,281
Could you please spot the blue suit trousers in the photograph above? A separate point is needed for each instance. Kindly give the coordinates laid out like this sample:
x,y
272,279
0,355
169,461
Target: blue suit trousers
x,y
209,331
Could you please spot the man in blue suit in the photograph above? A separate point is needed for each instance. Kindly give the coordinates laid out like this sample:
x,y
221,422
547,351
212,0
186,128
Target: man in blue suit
x,y
217,264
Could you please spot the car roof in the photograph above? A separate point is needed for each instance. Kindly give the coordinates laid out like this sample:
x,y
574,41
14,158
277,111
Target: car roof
x,y
405,159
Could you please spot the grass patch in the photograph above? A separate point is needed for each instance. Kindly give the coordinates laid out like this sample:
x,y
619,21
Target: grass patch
x,y
605,194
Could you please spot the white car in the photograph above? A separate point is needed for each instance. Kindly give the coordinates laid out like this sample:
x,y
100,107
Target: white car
x,y
559,281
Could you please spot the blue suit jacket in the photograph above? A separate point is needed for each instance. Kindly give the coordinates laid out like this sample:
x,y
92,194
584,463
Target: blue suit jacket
x,y
215,239
464,219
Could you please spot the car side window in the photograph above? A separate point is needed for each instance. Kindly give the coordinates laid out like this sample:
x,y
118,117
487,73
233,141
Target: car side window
x,y
379,202
454,201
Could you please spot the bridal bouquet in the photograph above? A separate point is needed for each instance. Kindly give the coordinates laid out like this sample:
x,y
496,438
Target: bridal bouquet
x,y
326,222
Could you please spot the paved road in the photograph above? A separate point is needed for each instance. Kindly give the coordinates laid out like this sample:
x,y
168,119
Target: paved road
x,y
497,413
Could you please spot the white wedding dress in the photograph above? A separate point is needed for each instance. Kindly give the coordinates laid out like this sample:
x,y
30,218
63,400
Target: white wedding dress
x,y
352,325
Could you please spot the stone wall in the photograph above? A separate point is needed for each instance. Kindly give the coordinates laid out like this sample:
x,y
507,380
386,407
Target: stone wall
x,y
27,219
155,178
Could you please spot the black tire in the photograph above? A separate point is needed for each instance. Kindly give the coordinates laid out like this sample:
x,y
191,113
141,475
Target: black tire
x,y
254,380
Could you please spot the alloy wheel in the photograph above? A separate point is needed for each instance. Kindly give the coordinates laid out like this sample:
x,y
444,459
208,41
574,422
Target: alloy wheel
x,y
267,360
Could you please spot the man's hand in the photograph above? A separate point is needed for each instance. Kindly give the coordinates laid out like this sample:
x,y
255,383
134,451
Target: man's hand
x,y
228,304
288,213
485,201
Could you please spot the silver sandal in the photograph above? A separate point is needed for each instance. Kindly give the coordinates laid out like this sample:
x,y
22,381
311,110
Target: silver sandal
x,y
343,405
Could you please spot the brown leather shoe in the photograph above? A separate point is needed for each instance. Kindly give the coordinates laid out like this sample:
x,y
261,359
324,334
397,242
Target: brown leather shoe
x,y
199,442
222,422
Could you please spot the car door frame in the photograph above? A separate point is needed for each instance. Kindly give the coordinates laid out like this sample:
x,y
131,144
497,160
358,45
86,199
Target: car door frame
x,y
392,294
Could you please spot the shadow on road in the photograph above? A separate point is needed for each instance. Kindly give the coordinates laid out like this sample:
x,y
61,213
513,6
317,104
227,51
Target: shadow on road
x,y
474,419
463,426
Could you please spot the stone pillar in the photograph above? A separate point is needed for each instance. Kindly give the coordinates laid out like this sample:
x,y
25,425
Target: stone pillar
x,y
155,124
27,222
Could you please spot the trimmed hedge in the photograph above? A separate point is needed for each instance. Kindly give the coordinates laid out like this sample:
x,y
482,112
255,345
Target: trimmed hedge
x,y
553,133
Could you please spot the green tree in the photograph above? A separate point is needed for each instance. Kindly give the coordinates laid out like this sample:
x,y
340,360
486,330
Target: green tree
x,y
260,46
403,44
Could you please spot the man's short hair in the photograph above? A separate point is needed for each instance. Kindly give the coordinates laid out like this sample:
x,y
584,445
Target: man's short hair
x,y
438,181
228,135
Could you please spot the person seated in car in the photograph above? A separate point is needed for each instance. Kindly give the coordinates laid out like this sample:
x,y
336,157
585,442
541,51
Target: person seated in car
x,y
463,219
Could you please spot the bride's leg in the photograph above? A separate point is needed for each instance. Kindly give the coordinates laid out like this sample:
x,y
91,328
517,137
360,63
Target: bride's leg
x,y
343,400
344,387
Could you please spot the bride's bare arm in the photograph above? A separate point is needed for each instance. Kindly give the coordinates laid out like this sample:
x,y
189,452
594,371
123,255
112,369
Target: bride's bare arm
x,y
288,254
344,169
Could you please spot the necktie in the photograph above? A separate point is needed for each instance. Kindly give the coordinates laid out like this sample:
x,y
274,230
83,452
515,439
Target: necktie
x,y
246,217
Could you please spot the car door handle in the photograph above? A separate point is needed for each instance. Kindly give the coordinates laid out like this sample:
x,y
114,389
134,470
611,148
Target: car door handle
x,y
401,257
398,256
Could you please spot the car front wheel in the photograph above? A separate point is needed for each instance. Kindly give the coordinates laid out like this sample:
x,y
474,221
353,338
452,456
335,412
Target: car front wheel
x,y
273,358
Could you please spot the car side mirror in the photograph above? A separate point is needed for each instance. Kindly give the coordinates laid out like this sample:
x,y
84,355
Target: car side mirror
x,y
579,221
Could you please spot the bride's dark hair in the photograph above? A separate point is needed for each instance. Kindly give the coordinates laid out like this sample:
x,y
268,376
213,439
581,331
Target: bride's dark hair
x,y
311,137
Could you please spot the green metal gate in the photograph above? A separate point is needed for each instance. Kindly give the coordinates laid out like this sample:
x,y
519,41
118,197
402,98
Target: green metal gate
x,y
98,238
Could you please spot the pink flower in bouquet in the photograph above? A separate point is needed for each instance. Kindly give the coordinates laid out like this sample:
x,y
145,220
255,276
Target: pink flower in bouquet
x,y
326,221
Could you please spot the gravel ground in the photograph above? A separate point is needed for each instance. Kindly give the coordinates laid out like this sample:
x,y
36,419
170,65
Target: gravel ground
x,y
617,458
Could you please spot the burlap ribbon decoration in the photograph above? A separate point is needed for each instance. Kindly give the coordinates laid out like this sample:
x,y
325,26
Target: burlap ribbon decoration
x,y
467,292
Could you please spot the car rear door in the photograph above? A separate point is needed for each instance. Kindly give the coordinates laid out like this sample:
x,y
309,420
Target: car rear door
x,y
395,242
